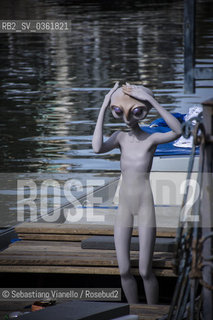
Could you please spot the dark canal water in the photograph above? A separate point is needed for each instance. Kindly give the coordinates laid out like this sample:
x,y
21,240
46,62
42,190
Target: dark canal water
x,y
52,85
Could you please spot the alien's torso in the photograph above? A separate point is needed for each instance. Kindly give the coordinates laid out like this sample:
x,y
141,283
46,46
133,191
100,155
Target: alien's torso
x,y
136,153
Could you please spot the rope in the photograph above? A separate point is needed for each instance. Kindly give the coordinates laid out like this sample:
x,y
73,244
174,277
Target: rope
x,y
182,239
188,262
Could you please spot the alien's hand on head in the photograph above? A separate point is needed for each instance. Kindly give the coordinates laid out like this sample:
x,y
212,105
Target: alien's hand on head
x,y
107,98
140,93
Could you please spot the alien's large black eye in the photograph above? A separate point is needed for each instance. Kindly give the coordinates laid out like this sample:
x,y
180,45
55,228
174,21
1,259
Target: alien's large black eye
x,y
138,112
118,111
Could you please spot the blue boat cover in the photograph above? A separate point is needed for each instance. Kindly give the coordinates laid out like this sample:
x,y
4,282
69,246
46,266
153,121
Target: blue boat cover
x,y
167,149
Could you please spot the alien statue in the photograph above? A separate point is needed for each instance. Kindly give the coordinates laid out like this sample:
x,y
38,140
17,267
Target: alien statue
x,y
132,104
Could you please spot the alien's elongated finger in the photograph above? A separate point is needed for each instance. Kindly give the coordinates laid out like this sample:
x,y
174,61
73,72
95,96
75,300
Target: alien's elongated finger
x,y
127,91
113,89
130,94
124,87
116,85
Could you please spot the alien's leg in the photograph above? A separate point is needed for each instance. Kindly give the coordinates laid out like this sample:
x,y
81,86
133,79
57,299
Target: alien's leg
x,y
122,238
147,236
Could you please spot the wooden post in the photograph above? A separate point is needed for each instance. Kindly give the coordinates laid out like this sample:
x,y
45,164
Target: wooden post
x,y
207,207
189,46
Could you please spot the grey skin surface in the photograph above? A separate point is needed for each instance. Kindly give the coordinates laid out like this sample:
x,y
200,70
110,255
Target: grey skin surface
x,y
135,198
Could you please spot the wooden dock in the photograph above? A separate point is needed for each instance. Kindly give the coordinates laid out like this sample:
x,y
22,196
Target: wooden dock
x,y
56,248
48,248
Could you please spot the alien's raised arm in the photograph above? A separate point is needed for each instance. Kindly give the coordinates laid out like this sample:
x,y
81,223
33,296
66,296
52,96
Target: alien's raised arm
x,y
172,123
98,145
140,93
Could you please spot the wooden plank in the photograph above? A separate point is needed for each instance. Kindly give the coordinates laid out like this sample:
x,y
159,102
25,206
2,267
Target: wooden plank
x,y
78,270
76,259
62,250
58,228
149,312
76,229
43,250
48,246
55,237
92,243
43,243
68,247
47,253
58,260
85,259
50,253
160,260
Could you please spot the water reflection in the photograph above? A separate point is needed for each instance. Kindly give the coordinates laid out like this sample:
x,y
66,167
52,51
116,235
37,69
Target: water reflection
x,y
40,71
53,84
